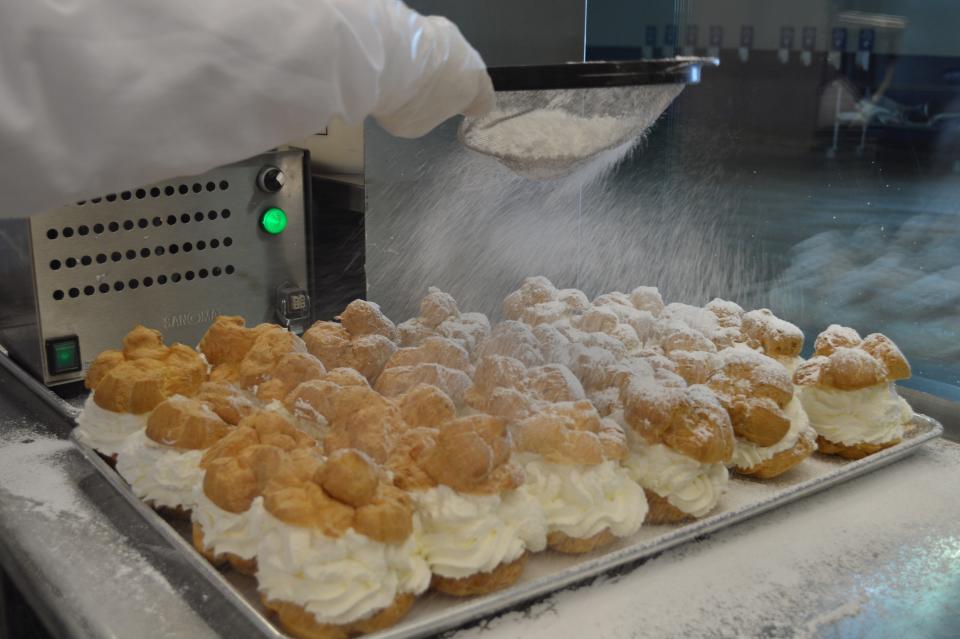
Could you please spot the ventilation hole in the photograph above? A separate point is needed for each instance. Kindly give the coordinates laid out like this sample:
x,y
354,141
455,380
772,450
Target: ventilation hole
x,y
197,187
214,243
229,270
114,227
171,220
169,190
126,195
89,290
224,185
116,256
159,250
55,265
185,218
128,225
155,192
81,202
74,292
97,200
187,247
140,193
58,295
148,281
228,241
112,197
158,221
144,252
143,223
68,232
216,271
83,229
203,273
161,279
71,262
101,258
184,189
98,228
52,234
131,254
212,215
118,286
198,216
174,249
211,186
225,213
104,288
201,245
175,278
86,260
133,283
189,275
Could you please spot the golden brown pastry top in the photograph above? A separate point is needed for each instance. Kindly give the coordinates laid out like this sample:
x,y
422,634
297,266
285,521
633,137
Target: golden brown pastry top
x,y
244,356
396,381
361,317
144,373
570,433
290,371
469,454
185,424
690,419
348,490
426,406
754,389
433,350
231,403
844,361
336,347
776,337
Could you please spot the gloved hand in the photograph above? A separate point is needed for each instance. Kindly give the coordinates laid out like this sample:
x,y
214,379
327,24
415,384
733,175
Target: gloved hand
x,y
450,78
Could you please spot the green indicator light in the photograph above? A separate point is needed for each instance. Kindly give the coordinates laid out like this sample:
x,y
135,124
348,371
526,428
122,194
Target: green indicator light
x,y
66,355
273,221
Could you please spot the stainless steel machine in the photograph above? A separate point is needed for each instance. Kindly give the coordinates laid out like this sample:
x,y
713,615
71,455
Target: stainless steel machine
x,y
171,255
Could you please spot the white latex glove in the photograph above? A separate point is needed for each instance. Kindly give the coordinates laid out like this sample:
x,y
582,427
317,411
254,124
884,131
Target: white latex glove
x,y
452,79
99,96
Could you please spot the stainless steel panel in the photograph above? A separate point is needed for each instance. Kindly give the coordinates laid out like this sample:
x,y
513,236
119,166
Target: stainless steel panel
x,y
549,572
181,252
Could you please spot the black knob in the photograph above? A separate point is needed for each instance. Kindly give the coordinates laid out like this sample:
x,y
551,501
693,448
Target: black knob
x,y
271,179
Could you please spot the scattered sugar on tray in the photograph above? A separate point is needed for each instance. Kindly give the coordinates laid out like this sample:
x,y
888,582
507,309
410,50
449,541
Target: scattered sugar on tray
x,y
835,565
23,457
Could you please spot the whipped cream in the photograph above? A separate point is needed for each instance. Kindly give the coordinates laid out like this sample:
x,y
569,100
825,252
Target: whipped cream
x,y
105,430
339,580
687,484
872,415
746,454
160,474
226,532
581,501
461,535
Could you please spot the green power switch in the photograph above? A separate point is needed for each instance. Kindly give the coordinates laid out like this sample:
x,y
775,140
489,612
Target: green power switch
x,y
274,221
63,355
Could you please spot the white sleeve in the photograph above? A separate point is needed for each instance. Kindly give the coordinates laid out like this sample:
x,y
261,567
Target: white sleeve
x,y
98,96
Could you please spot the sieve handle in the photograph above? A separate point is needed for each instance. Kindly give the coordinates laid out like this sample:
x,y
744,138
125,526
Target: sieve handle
x,y
591,75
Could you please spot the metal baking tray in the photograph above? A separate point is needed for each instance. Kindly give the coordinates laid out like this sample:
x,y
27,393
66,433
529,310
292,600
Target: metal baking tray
x,y
548,572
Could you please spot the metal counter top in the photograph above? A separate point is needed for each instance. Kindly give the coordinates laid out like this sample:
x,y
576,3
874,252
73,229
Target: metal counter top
x,y
878,557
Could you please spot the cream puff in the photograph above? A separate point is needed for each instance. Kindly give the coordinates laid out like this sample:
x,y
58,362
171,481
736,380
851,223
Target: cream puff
x,y
571,461
128,384
772,429
475,526
848,391
338,556
162,462
440,317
